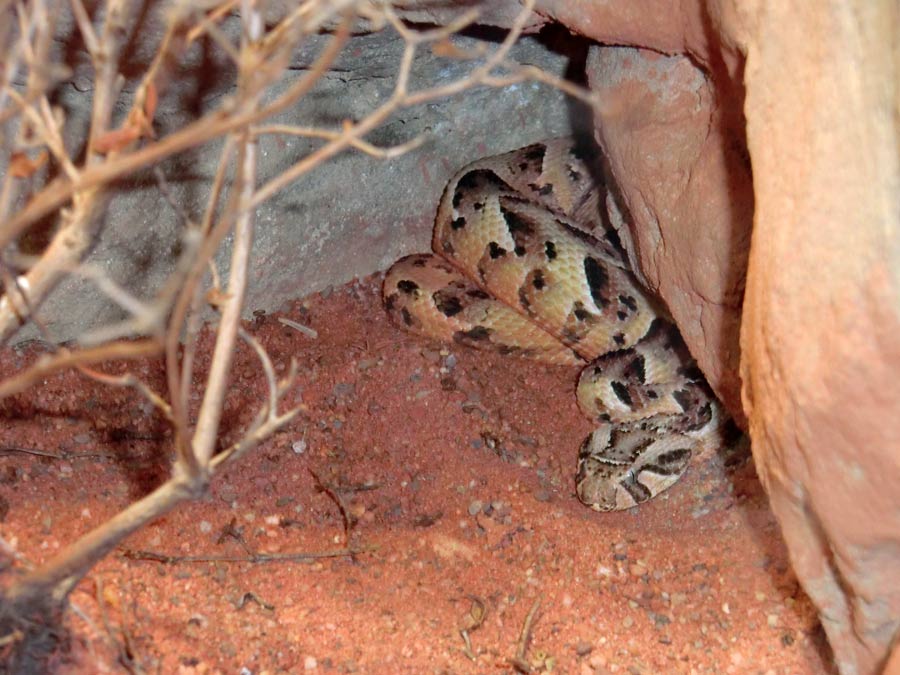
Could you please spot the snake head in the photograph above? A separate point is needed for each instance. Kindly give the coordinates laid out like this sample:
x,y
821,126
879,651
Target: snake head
x,y
619,470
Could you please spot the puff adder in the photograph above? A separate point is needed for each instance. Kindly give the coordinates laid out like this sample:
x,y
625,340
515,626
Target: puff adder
x,y
527,262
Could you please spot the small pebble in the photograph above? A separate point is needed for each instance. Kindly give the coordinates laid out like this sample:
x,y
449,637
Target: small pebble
x,y
501,509
542,495
583,648
628,622
310,663
475,507
603,571
205,526
661,620
299,447
637,570
598,661
343,388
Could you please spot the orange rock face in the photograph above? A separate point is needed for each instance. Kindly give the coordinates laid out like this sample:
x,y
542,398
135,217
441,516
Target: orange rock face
x,y
687,185
820,341
821,334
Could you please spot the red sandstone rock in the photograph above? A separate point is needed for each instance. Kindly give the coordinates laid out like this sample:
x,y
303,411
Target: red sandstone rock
x,y
688,188
821,333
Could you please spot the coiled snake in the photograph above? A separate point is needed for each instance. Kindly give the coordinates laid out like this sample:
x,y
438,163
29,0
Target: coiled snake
x,y
529,263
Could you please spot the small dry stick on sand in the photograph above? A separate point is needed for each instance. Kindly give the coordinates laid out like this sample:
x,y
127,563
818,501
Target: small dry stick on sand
x,y
298,556
337,498
520,660
476,616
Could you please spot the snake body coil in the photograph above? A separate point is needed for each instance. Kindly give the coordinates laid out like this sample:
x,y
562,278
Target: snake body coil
x,y
528,263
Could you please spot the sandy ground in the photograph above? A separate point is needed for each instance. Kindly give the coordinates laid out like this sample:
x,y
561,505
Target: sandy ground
x,y
449,471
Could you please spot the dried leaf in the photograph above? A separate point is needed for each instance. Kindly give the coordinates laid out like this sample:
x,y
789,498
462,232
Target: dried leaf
x,y
22,166
444,48
117,139
216,297
150,102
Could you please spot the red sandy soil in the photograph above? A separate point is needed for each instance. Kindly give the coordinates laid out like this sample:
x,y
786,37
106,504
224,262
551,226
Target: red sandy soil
x,y
455,470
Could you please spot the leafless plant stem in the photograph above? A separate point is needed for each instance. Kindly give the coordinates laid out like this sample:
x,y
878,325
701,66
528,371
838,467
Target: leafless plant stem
x,y
31,132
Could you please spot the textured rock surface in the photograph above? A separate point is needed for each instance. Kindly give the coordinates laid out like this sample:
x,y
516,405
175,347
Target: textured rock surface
x,y
688,188
350,217
821,332
674,136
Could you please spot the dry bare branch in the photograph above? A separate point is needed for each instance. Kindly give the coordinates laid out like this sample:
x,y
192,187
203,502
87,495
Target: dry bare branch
x,y
132,381
65,358
207,429
76,199
208,128
363,146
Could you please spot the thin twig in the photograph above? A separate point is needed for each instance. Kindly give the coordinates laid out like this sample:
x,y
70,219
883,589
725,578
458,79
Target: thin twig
x,y
65,358
477,615
363,146
249,597
218,13
10,638
520,660
163,185
268,369
134,382
62,456
86,28
206,129
401,98
203,443
336,497
9,450
306,330
309,556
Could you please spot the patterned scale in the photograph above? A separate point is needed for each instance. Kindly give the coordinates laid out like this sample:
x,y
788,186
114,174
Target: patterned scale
x,y
528,264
